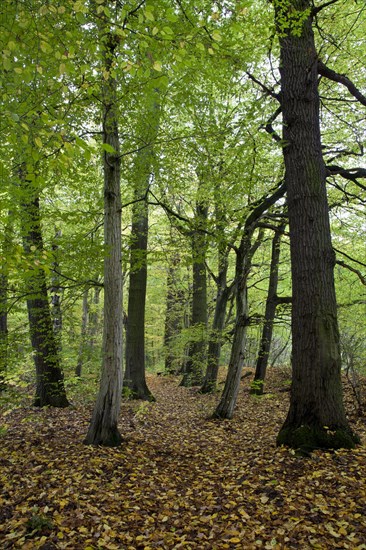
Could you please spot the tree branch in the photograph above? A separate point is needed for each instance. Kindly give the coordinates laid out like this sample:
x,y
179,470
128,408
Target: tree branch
x,y
322,6
265,88
349,257
358,273
323,70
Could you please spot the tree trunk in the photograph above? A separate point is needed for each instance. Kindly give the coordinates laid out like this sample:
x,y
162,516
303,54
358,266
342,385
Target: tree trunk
x,y
269,315
134,378
222,293
173,315
93,325
84,334
316,418
50,388
4,279
197,356
103,429
56,311
225,408
215,341
244,255
3,328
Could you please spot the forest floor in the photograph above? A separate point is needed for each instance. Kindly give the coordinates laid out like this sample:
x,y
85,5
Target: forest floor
x,y
179,480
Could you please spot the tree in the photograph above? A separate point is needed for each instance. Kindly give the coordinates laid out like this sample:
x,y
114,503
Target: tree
x,y
50,388
316,417
197,354
142,173
103,428
269,314
244,255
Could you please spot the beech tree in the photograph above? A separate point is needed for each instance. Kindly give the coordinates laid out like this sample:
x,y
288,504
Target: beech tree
x,y
103,428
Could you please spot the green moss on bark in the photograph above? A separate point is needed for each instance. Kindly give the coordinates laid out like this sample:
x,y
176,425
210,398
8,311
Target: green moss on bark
x,y
308,438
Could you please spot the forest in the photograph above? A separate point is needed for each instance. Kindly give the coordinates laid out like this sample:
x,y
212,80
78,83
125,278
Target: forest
x,y
183,272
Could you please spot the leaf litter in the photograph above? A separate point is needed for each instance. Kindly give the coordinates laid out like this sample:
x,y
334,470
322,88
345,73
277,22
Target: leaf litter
x,y
179,480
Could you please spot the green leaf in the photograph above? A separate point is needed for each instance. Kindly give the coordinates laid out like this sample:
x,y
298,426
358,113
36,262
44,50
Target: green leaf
x,y
108,148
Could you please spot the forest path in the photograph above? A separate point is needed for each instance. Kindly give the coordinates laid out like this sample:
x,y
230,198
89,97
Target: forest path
x,y
179,480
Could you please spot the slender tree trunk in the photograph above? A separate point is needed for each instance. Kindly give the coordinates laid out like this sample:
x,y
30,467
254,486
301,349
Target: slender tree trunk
x,y
134,378
316,418
50,388
4,280
3,328
222,293
56,311
225,408
197,357
244,255
84,334
269,315
103,429
93,324
173,315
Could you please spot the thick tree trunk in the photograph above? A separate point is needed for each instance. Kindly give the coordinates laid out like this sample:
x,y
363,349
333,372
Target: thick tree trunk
x,y
316,418
103,429
197,357
269,315
134,379
50,388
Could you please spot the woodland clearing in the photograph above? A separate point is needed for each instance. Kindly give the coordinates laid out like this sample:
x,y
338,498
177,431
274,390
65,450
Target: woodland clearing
x,y
179,480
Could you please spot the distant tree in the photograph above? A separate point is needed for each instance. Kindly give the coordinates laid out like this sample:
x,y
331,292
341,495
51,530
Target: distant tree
x,y
272,301
50,388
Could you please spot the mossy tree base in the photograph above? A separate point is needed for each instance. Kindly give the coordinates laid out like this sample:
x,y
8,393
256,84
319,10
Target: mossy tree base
x,y
309,438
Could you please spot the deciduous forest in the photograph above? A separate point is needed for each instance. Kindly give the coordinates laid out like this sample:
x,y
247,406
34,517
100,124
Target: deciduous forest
x,y
183,272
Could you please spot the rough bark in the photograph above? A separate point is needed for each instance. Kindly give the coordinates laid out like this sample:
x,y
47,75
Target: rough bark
x,y
269,316
50,388
197,356
103,428
316,418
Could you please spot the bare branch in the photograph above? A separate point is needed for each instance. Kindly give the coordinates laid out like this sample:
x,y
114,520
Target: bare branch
x,y
323,70
349,257
265,88
350,268
322,6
